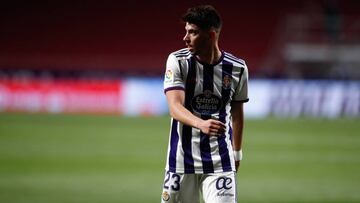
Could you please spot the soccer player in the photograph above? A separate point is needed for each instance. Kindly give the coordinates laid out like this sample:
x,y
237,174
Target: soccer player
x,y
205,89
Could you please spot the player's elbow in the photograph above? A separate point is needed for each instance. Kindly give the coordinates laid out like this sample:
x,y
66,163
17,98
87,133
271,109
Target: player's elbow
x,y
172,112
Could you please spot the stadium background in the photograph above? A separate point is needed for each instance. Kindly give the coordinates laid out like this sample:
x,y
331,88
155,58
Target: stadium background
x,y
84,119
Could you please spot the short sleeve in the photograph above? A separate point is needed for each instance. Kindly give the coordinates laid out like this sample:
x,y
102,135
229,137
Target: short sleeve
x,y
173,78
241,92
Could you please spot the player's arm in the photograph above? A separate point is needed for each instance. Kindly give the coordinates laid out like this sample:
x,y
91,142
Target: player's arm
x,y
237,114
176,100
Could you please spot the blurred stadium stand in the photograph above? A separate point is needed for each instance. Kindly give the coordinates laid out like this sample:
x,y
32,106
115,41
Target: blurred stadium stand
x,y
115,40
320,41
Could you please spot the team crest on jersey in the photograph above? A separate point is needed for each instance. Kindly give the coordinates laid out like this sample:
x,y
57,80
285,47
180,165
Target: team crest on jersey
x,y
169,76
206,103
165,196
227,81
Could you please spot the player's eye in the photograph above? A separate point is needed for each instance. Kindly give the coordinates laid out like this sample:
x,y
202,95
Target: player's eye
x,y
193,32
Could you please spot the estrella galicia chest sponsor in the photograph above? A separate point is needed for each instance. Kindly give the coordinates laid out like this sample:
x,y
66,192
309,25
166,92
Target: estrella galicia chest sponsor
x,y
206,103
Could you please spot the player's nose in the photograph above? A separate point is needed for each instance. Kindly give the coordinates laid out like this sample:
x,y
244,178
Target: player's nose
x,y
186,38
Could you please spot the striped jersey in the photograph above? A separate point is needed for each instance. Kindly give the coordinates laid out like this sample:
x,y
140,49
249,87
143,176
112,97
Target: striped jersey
x,y
209,91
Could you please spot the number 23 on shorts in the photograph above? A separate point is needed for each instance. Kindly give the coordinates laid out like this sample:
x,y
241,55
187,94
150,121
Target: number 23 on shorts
x,y
172,181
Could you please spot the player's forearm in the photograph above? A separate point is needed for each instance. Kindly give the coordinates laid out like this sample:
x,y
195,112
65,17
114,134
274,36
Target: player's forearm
x,y
180,113
237,136
237,124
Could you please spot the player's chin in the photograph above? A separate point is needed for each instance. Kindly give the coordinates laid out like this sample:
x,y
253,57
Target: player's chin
x,y
192,51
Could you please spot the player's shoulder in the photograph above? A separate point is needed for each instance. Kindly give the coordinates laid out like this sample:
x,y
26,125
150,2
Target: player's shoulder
x,y
181,54
234,60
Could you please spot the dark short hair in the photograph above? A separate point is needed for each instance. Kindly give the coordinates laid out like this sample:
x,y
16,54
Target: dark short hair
x,y
204,16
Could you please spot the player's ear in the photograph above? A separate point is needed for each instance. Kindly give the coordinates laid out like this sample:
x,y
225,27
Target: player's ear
x,y
213,34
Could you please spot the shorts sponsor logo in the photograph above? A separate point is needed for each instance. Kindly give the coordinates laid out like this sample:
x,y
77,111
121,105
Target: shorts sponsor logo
x,y
206,103
165,196
224,194
224,184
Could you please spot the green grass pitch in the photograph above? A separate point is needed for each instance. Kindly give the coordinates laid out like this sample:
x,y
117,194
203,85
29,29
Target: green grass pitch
x,y
107,159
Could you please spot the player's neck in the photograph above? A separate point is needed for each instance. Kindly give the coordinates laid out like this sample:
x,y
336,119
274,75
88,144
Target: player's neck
x,y
210,57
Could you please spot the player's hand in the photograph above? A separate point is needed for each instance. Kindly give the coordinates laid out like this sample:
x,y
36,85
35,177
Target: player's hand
x,y
237,165
212,127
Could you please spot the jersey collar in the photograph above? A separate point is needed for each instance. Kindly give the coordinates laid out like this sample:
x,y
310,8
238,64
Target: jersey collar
x,y
206,64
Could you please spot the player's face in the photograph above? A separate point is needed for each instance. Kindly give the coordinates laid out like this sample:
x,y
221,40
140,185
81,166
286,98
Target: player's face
x,y
197,41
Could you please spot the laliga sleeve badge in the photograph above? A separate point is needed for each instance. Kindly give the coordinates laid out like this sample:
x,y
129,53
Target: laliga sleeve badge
x,y
169,76
165,196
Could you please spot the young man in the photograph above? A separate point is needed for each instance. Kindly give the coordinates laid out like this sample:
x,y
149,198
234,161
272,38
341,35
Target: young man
x,y
205,90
